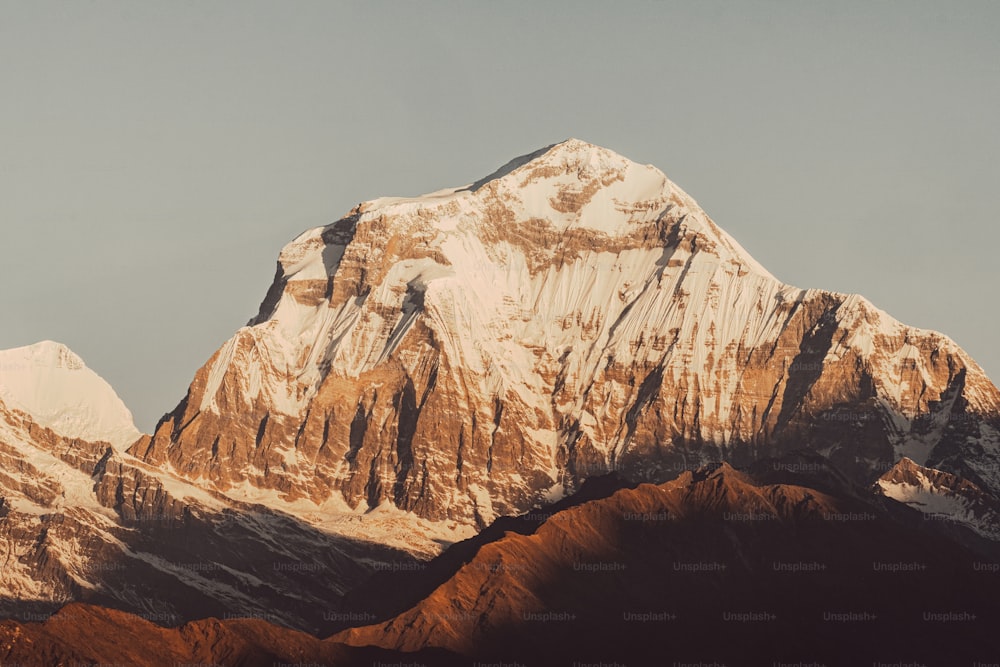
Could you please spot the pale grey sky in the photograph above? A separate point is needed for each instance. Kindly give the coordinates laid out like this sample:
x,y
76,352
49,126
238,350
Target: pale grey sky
x,y
154,157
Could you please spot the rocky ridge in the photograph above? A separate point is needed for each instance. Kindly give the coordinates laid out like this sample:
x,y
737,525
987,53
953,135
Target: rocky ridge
x,y
640,575
781,571
481,350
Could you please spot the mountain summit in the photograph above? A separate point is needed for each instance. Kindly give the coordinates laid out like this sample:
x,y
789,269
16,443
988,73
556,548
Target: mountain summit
x,y
49,382
445,369
480,350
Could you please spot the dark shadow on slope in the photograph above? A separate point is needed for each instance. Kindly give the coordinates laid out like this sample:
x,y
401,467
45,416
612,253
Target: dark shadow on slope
x,y
809,469
250,562
677,582
853,587
807,367
804,467
385,594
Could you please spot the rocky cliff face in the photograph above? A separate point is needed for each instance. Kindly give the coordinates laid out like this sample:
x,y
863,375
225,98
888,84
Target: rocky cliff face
x,y
480,350
82,520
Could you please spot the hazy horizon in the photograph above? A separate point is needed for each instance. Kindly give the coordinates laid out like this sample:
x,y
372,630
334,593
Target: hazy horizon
x,y
156,157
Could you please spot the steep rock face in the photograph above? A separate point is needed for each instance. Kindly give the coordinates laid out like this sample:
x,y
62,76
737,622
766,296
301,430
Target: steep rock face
x,y
79,521
82,520
477,351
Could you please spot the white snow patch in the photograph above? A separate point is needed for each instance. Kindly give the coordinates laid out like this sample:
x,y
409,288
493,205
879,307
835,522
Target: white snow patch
x,y
940,503
53,385
484,504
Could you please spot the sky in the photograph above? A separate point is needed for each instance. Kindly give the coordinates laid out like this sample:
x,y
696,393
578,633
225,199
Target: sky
x,y
156,156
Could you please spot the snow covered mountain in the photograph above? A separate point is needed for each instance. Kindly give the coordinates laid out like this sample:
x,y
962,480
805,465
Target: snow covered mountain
x,y
424,366
51,383
480,350
941,496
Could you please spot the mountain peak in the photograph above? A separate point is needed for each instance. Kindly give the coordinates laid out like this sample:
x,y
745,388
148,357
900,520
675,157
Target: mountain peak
x,y
568,152
48,351
568,192
577,151
51,383
581,310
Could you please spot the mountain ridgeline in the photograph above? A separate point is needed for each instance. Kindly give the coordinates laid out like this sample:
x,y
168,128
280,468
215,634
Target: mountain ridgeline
x,y
481,350
446,404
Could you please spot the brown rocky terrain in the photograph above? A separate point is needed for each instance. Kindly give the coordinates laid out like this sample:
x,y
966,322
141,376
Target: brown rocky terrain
x,y
714,567
86,635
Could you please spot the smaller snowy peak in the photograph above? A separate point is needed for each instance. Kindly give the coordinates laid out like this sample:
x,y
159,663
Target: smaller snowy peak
x,y
943,496
52,385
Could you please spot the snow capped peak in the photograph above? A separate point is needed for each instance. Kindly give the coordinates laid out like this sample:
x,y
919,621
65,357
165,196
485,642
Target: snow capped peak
x,y
48,352
50,383
572,191
584,310
573,227
569,152
583,156
586,186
